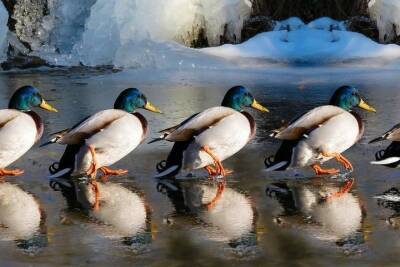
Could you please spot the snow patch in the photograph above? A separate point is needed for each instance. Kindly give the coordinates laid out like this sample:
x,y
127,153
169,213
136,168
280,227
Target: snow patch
x,y
309,44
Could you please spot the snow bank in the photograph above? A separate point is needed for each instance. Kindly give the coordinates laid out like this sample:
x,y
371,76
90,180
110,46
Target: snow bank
x,y
310,43
387,16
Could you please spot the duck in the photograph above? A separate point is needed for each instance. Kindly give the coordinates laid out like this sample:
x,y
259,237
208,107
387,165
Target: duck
x,y
207,138
20,127
321,134
389,157
102,139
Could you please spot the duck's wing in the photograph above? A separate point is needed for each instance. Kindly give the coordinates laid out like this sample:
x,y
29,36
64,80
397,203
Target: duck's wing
x,y
393,135
196,124
307,122
18,133
87,127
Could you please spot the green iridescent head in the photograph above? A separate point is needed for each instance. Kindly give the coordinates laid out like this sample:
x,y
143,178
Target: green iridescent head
x,y
27,97
239,97
131,99
348,97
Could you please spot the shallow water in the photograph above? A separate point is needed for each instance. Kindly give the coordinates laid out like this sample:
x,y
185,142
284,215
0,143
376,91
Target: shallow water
x,y
258,220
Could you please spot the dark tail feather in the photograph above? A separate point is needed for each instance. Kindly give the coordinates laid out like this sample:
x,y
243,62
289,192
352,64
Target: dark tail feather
x,y
67,160
282,157
63,182
57,136
156,140
172,165
391,152
380,138
52,141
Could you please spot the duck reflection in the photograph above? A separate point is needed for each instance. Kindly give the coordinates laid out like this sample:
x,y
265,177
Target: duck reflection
x,y
232,216
390,199
21,219
325,209
121,210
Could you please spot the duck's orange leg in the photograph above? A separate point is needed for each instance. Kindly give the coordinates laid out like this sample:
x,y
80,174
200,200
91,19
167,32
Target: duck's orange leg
x,y
340,158
211,170
107,172
218,195
220,169
342,190
319,171
95,188
92,171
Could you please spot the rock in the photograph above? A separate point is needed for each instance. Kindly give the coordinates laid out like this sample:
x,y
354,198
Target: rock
x,y
309,10
255,25
25,19
23,62
363,25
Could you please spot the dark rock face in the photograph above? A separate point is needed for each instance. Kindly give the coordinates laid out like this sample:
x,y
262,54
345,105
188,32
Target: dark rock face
x,y
25,18
23,62
256,24
309,10
364,25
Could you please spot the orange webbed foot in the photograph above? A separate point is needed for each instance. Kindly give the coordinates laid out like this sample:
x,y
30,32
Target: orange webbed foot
x,y
218,165
340,158
14,172
108,172
319,171
211,170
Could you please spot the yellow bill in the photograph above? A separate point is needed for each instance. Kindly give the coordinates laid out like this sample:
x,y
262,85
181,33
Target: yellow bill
x,y
149,106
365,106
46,106
258,106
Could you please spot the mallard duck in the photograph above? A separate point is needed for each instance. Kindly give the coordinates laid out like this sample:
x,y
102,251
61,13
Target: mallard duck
x,y
211,136
321,134
20,127
104,138
390,156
